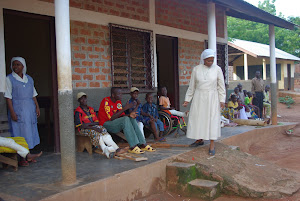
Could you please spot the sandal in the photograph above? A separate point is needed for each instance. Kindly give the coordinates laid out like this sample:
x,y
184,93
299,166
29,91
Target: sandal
x,y
23,163
148,148
136,150
161,140
32,161
212,152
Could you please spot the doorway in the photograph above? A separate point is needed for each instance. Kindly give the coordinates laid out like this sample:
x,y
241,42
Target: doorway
x,y
167,67
32,37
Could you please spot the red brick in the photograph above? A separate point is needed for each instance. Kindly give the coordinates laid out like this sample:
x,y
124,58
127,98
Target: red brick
x,y
182,77
75,63
106,84
130,8
114,12
78,23
93,56
109,3
105,70
75,4
80,70
106,57
100,77
104,42
81,84
123,14
79,56
188,77
89,7
85,32
75,48
87,48
141,11
74,31
94,26
119,6
87,63
94,84
93,41
79,40
136,17
100,64
94,70
76,77
88,77
98,34
99,49
108,77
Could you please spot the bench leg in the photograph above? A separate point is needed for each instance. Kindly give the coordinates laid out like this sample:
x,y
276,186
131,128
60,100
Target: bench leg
x,y
84,142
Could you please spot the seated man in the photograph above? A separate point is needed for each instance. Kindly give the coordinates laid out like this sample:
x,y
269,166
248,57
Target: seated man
x,y
164,104
112,117
23,152
134,93
87,123
266,101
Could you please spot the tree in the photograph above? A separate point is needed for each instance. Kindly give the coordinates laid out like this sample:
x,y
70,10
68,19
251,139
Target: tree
x,y
286,40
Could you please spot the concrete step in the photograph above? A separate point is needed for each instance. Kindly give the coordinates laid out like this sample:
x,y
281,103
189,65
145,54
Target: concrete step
x,y
208,189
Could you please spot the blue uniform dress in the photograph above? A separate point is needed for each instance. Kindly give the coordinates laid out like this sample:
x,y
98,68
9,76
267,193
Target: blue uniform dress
x,y
153,111
24,107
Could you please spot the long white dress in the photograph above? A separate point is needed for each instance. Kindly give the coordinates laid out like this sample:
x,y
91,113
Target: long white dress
x,y
207,89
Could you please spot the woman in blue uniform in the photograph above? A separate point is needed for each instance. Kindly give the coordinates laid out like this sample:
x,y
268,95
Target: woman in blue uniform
x,y
23,108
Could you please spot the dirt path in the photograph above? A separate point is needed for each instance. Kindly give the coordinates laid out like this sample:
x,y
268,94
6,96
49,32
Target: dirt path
x,y
282,150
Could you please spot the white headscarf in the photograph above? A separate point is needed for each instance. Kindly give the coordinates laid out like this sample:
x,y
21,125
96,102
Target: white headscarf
x,y
20,59
206,54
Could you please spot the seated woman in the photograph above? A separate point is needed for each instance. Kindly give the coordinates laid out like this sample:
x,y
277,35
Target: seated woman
x,y
87,123
233,104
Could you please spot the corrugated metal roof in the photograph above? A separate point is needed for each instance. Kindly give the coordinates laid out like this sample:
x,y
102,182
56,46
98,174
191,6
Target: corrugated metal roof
x,y
260,50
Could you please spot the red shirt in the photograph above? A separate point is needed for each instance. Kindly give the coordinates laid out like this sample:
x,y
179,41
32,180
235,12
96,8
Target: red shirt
x,y
107,109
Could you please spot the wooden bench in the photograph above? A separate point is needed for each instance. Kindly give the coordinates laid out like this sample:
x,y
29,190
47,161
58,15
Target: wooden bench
x,y
83,142
9,156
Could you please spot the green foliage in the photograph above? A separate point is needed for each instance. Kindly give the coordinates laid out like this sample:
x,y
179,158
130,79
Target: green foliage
x,y
286,100
286,40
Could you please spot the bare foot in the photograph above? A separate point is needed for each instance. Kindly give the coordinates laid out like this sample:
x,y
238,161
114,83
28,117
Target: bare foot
x,y
31,157
121,151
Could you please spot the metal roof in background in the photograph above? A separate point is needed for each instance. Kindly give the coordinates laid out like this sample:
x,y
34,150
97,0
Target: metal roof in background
x,y
244,10
260,50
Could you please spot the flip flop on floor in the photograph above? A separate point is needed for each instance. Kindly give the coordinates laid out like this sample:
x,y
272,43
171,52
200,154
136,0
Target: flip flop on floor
x,y
160,140
148,148
23,163
136,150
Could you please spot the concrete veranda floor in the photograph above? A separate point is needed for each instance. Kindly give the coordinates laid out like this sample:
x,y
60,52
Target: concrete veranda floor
x,y
42,179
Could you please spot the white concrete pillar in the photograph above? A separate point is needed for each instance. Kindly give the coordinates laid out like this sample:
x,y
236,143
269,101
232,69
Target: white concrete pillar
x,y
65,93
2,54
211,23
154,55
273,75
264,69
245,66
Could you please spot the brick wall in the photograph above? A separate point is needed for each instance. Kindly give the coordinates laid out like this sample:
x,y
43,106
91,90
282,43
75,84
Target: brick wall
x,y
91,65
190,15
189,56
133,9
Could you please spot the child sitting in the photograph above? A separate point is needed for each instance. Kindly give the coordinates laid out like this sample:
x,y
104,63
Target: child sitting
x,y
242,110
87,123
227,113
150,117
233,104
134,92
248,102
164,104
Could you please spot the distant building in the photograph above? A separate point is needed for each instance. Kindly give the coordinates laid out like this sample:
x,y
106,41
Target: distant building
x,y
247,57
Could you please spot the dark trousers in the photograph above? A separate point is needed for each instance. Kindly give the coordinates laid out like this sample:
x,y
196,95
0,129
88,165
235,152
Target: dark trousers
x,y
258,101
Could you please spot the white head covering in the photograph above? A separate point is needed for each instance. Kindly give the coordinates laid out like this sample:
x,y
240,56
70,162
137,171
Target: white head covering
x,y
20,59
206,54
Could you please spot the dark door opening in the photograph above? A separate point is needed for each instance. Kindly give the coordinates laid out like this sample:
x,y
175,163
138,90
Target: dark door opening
x,y
32,37
167,67
289,80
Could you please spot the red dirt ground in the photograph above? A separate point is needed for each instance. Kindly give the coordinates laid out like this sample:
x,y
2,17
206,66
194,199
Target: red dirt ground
x,y
282,150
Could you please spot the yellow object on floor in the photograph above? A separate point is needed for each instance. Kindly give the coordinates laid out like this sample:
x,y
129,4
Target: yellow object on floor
x,y
19,140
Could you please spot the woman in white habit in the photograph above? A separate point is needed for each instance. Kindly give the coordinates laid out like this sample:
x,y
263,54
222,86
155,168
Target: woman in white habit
x,y
207,89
